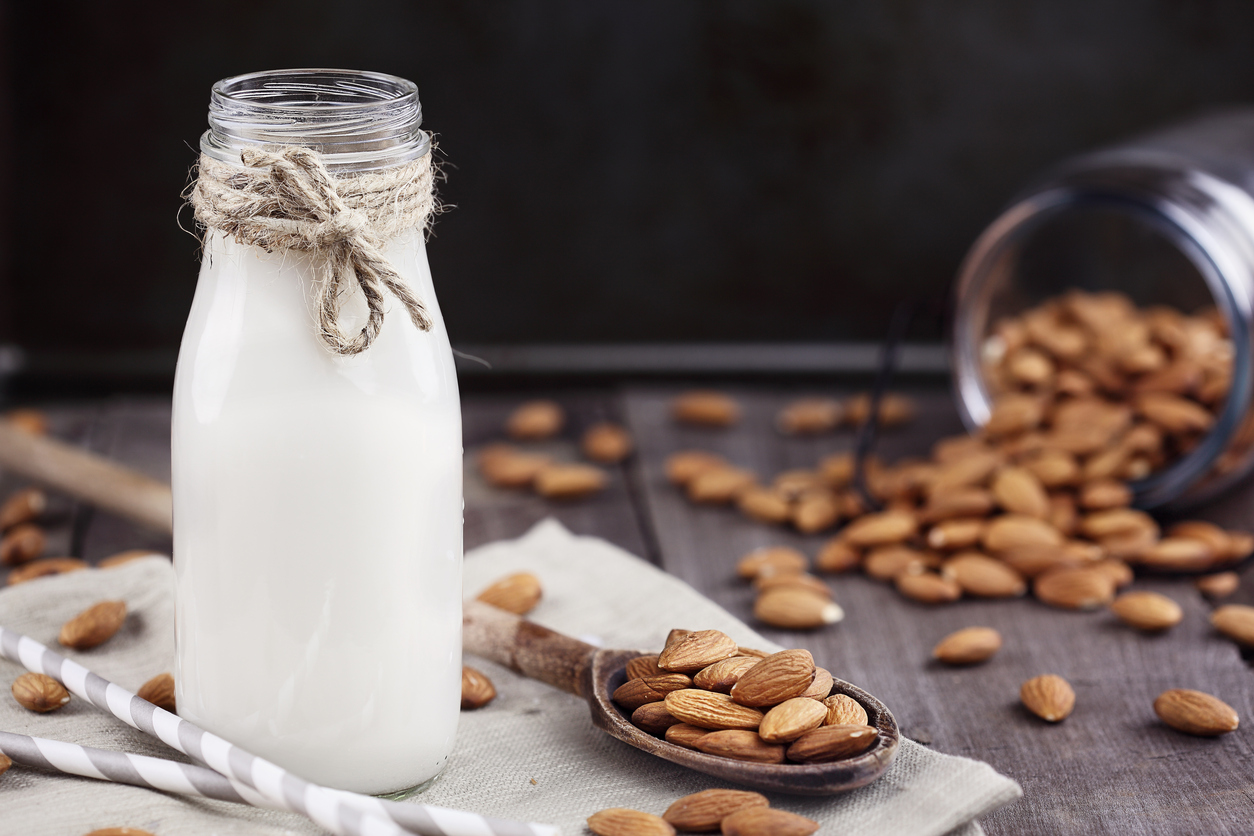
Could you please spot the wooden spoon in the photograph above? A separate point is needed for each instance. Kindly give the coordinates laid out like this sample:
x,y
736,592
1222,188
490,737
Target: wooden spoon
x,y
581,669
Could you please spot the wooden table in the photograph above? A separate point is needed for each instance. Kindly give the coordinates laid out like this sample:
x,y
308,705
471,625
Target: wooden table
x,y
1111,767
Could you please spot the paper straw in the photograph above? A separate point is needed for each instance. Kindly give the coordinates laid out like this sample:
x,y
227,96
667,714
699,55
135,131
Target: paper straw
x,y
339,811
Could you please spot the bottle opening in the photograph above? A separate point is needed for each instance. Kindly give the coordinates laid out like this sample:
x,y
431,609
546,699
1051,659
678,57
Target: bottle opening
x,y
357,120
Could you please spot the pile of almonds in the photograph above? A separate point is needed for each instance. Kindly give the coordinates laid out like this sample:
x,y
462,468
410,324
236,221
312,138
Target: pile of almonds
x,y
704,692
731,812
508,466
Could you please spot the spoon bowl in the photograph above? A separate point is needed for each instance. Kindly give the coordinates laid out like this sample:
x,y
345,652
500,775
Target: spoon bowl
x,y
583,670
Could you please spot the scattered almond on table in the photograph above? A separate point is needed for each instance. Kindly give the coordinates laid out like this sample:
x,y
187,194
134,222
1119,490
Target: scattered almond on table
x,y
732,812
1049,697
788,596
1236,621
477,689
535,421
606,443
518,593
1148,611
705,408
93,626
1195,712
968,646
39,692
160,692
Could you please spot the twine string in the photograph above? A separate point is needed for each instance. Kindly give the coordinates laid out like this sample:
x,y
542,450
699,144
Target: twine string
x,y
285,199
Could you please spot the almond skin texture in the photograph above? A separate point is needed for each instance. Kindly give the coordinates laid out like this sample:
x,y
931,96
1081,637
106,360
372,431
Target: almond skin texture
x,y
1049,697
696,651
703,812
606,443
1236,621
767,821
792,718
822,685
643,666
721,676
742,745
535,421
1147,610
1194,712
654,718
709,710
844,710
793,608
968,646
93,626
477,689
37,692
829,743
619,821
160,691
518,593
778,677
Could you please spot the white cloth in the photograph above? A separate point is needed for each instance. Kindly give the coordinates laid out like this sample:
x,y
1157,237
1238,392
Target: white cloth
x,y
530,755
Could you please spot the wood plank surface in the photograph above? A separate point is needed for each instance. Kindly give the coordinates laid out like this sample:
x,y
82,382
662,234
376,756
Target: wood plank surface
x,y
1110,768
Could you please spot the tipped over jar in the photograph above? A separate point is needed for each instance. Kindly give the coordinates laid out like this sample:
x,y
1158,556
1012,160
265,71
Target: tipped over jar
x,y
1120,288
317,439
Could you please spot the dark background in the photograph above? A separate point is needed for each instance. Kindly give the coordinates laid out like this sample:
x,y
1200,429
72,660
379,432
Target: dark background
x,y
622,172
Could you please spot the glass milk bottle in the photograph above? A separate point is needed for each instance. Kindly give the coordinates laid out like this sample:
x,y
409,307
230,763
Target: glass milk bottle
x,y
317,485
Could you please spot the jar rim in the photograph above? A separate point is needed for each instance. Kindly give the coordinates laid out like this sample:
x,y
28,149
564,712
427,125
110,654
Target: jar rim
x,y
358,120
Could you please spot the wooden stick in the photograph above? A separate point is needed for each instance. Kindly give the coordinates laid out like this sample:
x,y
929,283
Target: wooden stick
x,y
88,477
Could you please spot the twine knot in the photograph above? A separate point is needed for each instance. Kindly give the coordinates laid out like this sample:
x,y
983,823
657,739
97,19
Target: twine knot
x,y
286,199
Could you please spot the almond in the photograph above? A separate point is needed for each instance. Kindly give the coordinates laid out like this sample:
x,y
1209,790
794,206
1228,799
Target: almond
x,y
1104,494
535,421
684,734
5,763
44,567
1074,588
705,409
654,718
968,646
778,677
160,691
643,666
1176,415
821,686
983,576
1120,573
844,710
766,505
1014,414
829,743
740,744
1049,697
683,467
720,485
837,470
22,507
1054,468
705,811
772,560
93,626
1063,514
636,692
1218,585
1014,530
721,676
954,534
1178,554
971,470
888,562
767,821
792,718
38,692
801,581
505,467
1236,621
960,502
518,593
619,821
1018,491
606,443
1208,533
1147,610
477,689
928,588
569,481
881,529
22,544
710,710
1195,712
1030,561
696,651
793,608
809,416
1116,521
837,555
816,511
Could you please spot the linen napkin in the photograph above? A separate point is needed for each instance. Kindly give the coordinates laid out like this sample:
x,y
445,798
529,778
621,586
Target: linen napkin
x,y
532,754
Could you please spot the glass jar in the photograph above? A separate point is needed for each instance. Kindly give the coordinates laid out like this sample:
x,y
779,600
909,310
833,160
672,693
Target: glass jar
x,y
317,497
1165,219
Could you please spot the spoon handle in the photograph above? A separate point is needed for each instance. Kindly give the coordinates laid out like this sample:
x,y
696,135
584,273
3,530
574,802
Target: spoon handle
x,y
525,647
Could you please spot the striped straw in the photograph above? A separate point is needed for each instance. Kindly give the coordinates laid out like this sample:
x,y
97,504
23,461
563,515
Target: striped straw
x,y
341,812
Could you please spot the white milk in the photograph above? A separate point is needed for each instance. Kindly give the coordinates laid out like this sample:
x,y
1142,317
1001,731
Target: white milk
x,y
317,526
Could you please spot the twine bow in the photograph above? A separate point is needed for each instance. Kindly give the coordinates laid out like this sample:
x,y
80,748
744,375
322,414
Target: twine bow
x,y
287,200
